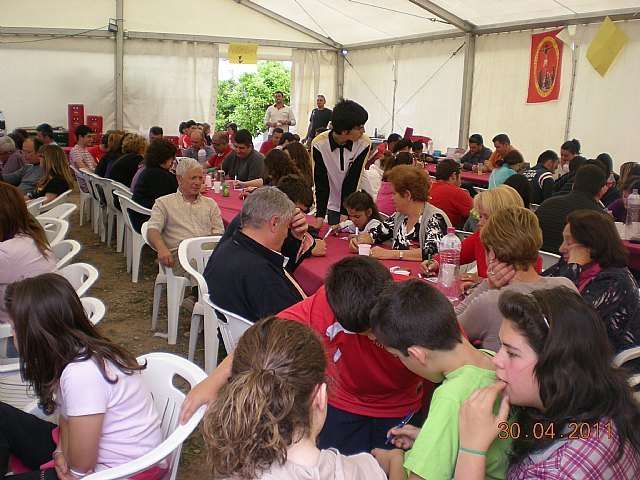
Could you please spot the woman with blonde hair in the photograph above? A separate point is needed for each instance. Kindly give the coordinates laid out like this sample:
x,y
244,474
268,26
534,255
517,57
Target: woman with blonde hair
x,y
486,204
266,418
134,147
56,179
511,236
114,152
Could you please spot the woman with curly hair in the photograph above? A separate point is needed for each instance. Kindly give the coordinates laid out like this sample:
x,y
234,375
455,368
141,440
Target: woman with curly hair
x,y
266,419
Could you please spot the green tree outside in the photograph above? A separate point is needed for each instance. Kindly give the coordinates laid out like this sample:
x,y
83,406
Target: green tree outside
x,y
244,100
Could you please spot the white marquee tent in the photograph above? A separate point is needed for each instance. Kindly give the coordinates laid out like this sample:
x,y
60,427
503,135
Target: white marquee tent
x,y
447,68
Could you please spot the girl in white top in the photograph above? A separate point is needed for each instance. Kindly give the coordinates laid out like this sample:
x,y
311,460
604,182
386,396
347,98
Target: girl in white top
x,y
106,413
363,214
266,419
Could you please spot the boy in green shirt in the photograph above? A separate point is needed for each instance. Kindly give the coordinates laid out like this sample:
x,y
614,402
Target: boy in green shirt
x,y
417,324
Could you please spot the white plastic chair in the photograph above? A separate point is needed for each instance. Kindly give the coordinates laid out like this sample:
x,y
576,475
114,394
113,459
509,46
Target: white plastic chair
x,y
80,275
54,228
123,190
61,212
624,357
64,251
231,325
192,250
175,295
86,200
134,240
94,308
167,399
59,200
548,259
533,206
97,218
33,206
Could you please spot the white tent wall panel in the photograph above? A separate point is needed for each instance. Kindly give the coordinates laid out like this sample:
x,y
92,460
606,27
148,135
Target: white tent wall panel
x,y
57,14
431,109
206,17
313,73
605,115
499,105
168,82
368,80
41,78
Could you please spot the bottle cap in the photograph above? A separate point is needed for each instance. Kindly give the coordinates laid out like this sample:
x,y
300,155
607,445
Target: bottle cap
x,y
451,229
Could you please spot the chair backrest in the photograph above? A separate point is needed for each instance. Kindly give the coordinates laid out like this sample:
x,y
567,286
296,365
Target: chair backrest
x,y
61,212
159,377
94,308
193,250
59,200
122,189
93,184
231,325
129,205
54,228
548,259
64,251
80,275
33,206
108,188
533,206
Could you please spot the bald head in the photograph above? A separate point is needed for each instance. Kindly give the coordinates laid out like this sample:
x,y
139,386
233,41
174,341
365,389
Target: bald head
x,y
220,142
197,139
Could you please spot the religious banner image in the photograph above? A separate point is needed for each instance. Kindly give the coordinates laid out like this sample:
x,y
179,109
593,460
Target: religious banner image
x,y
546,63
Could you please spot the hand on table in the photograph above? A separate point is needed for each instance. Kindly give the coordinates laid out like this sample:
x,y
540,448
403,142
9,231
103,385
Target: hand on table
x,y
319,223
429,268
383,253
478,426
361,238
320,250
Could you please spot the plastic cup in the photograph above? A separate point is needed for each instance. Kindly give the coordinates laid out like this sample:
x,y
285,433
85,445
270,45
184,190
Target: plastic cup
x,y
479,169
217,185
207,180
364,249
620,227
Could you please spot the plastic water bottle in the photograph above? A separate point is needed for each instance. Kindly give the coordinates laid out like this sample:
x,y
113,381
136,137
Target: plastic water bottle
x,y
202,156
450,247
632,225
3,124
611,181
430,147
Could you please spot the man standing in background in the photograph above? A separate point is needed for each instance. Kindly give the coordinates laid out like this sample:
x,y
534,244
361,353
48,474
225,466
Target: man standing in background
x,y
279,114
320,118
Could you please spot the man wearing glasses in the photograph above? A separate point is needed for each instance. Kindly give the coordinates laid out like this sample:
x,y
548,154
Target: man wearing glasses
x,y
220,144
27,177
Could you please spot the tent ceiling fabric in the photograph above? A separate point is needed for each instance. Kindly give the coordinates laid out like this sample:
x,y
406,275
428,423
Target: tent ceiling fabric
x,y
357,22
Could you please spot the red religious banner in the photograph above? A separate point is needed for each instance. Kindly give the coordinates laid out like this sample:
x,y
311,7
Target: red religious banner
x,y
546,63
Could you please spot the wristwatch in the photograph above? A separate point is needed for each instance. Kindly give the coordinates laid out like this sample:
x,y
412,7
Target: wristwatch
x,y
401,254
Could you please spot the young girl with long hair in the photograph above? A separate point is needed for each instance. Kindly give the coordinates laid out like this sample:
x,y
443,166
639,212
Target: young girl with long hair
x,y
302,159
575,416
363,214
106,413
266,419
56,179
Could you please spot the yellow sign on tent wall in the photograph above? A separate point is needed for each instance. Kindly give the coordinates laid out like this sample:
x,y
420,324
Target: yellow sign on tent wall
x,y
245,53
606,46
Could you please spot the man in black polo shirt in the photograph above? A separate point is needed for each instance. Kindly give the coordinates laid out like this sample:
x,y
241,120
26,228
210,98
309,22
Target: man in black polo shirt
x,y
541,176
477,154
589,186
247,274
320,118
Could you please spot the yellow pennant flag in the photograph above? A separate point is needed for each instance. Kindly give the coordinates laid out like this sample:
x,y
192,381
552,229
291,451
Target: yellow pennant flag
x,y
606,46
244,53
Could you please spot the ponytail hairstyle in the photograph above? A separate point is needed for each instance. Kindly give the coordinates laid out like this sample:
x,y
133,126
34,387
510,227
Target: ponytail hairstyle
x,y
361,201
52,330
577,379
266,405
572,146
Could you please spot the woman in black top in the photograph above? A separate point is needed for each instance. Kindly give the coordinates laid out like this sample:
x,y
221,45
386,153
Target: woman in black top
x,y
56,179
133,147
114,152
155,180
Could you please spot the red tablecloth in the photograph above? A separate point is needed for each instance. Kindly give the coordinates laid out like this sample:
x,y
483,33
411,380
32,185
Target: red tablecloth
x,y
310,274
634,254
467,176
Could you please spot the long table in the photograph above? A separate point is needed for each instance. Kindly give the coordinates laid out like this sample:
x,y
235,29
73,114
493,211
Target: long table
x,y
311,272
466,175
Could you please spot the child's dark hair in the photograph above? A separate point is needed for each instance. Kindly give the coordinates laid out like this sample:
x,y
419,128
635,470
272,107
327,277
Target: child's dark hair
x,y
352,287
400,319
361,201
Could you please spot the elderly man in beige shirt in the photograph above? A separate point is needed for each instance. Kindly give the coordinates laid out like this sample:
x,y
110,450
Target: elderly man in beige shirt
x,y
181,215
